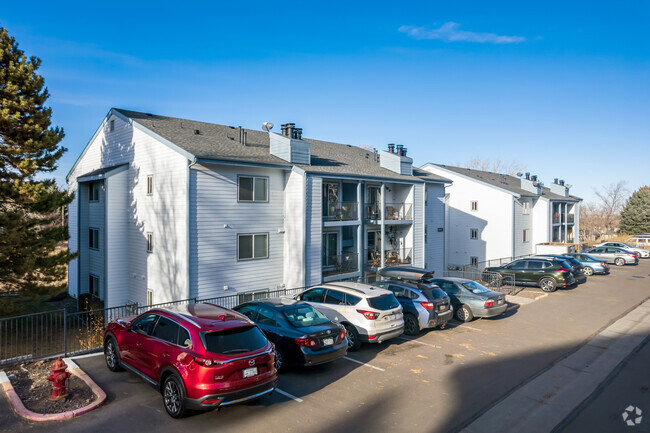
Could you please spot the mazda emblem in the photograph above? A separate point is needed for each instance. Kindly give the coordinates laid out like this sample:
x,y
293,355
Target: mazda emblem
x,y
251,362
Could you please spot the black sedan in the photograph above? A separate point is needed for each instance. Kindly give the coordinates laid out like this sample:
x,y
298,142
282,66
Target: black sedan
x,y
302,335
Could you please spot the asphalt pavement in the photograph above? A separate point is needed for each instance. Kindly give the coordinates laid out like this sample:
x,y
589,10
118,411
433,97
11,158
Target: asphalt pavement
x,y
440,381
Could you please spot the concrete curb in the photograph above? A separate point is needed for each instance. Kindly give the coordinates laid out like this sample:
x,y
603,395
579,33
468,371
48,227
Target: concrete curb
x,y
73,368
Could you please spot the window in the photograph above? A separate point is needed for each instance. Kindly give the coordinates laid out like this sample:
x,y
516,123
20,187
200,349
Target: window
x,y
144,324
473,261
253,246
474,205
166,330
93,191
266,316
252,296
314,295
93,238
149,242
335,297
93,285
149,297
255,189
473,233
526,207
248,311
535,264
517,265
150,184
111,126
526,235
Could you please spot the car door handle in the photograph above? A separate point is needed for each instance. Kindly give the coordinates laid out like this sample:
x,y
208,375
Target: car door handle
x,y
165,354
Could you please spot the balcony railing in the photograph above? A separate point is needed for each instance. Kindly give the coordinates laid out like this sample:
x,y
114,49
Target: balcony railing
x,y
343,211
562,218
391,258
570,218
340,264
393,211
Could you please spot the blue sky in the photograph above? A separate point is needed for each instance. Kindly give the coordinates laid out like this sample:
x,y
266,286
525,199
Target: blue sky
x,y
561,88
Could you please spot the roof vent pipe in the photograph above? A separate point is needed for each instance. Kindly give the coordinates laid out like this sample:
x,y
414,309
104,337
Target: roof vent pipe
x,y
244,137
533,178
555,181
240,130
399,149
391,147
562,182
298,133
527,176
404,151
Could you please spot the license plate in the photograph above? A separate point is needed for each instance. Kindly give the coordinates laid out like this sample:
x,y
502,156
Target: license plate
x,y
500,301
442,308
328,341
389,317
250,372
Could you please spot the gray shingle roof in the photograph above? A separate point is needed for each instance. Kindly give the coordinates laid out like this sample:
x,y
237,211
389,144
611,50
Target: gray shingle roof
x,y
504,181
221,142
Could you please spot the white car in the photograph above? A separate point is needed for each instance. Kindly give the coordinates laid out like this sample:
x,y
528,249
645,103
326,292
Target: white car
x,y
643,253
369,314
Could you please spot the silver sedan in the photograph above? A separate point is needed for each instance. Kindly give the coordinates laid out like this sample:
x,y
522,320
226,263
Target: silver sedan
x,y
615,255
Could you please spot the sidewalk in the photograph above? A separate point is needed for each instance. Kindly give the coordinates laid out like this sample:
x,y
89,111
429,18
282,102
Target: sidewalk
x,y
543,403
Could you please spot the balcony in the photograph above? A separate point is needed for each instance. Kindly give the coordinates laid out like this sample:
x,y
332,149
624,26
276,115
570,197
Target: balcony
x,y
341,211
570,218
345,263
391,258
393,211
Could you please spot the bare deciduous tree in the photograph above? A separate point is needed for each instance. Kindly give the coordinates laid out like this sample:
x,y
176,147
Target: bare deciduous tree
x,y
494,166
597,218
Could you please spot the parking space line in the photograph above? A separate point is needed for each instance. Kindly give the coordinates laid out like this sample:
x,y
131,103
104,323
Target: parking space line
x,y
363,363
419,342
464,326
286,394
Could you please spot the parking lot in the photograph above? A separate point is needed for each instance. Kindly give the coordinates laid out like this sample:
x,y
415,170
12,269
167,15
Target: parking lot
x,y
438,381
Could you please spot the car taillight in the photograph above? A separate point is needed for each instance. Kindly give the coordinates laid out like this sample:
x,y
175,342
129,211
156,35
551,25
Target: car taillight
x,y
427,305
603,264
632,255
342,336
307,342
203,361
563,270
370,315
489,303
574,267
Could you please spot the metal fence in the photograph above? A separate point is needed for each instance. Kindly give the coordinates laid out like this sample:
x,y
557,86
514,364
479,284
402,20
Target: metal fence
x,y
43,335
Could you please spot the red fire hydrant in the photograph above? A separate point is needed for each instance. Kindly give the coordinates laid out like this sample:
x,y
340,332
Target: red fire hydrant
x,y
58,378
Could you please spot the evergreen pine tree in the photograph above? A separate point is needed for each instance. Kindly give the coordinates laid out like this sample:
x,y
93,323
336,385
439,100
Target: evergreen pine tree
x,y
29,260
635,217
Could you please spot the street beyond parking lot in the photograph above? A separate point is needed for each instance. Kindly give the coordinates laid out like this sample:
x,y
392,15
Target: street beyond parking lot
x,y
440,381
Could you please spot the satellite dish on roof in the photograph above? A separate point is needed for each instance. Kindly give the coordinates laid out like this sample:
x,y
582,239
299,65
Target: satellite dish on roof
x,y
519,174
267,126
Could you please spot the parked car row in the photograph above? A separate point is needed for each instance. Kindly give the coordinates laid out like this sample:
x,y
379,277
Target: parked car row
x,y
550,271
204,356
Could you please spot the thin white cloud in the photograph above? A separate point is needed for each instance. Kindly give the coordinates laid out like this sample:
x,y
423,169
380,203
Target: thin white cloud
x,y
450,32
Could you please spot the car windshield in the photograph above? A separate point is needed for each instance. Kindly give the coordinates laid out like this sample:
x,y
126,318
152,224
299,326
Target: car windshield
x,y
302,316
383,302
236,340
475,287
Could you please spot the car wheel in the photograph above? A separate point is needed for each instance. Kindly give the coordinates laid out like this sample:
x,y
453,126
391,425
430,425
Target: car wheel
x,y
279,359
619,261
547,284
464,313
353,338
588,271
112,355
411,325
173,396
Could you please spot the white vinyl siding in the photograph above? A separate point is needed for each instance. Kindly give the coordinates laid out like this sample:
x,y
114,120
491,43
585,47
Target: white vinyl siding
x,y
314,215
165,213
294,227
116,281
216,220
417,239
435,227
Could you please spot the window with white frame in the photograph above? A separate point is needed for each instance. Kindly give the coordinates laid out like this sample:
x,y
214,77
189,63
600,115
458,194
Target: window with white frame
x,y
474,205
93,285
93,238
149,297
93,191
473,260
149,242
150,184
253,189
252,246
253,296
526,207
526,235
473,233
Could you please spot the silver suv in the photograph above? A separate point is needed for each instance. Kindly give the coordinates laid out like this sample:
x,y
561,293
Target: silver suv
x,y
369,314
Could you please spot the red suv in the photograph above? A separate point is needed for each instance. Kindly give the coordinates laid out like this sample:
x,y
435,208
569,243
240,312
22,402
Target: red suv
x,y
198,356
